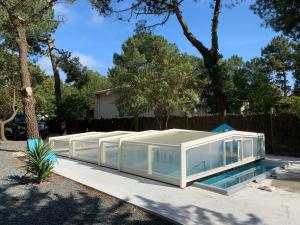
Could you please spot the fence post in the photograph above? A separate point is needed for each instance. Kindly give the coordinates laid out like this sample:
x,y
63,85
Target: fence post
x,y
224,116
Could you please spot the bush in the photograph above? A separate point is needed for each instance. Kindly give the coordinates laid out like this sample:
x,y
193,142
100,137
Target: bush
x,y
38,162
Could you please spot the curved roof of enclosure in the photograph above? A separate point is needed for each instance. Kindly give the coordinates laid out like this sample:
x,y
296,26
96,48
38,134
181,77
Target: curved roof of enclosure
x,y
171,137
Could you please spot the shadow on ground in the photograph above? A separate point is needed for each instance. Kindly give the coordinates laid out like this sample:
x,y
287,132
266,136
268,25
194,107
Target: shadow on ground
x,y
204,216
34,205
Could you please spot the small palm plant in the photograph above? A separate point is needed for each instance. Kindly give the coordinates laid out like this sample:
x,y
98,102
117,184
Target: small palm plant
x,y
38,162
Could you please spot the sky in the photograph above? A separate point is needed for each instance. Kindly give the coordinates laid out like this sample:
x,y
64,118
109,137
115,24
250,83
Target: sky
x,y
94,39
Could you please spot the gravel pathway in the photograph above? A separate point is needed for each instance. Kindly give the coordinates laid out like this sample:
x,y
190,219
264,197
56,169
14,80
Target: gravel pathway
x,y
60,201
13,146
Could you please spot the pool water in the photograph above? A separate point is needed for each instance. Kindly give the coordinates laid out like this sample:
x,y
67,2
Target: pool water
x,y
239,175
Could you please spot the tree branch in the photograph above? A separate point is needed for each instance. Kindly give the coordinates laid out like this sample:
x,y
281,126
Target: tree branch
x,y
198,44
214,27
41,11
4,122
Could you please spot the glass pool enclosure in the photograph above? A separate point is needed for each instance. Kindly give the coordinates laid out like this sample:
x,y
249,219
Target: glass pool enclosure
x,y
173,156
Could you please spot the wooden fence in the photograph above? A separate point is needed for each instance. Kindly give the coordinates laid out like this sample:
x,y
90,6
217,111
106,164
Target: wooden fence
x,y
282,131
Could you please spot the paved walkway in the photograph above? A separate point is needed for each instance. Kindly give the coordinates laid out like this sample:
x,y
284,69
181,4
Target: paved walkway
x,y
191,205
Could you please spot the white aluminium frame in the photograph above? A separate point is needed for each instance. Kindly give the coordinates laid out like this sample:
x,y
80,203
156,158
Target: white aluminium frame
x,y
72,135
183,180
207,140
183,147
100,136
121,138
68,138
149,174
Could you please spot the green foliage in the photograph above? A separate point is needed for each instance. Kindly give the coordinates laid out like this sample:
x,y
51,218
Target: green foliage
x,y
262,94
163,10
37,161
237,83
35,31
73,68
45,99
9,80
281,15
91,82
152,75
73,106
249,86
296,62
278,56
289,104
295,106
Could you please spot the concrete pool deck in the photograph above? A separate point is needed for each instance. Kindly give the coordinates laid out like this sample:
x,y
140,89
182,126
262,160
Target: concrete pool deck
x,y
190,205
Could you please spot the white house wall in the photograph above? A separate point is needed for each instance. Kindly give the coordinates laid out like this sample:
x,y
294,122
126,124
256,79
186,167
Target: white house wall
x,y
105,106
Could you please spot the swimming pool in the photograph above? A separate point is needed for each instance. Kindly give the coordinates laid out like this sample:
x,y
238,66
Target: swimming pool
x,y
233,180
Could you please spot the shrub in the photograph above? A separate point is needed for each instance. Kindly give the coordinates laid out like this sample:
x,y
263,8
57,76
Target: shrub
x,y
38,162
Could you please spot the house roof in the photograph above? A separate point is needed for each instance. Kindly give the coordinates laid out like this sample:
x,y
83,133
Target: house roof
x,y
106,91
103,92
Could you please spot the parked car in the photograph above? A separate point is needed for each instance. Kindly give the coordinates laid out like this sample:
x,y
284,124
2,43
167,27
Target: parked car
x,y
16,129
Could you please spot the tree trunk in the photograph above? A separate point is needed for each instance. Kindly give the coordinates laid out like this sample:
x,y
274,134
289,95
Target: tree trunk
x,y
27,93
2,133
3,123
217,100
54,62
136,123
159,121
166,121
210,56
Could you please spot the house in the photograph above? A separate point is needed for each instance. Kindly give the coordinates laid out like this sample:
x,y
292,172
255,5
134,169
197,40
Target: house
x,y
106,108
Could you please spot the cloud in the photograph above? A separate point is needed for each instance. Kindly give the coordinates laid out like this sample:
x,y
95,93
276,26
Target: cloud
x,y
89,61
95,19
86,60
45,64
62,11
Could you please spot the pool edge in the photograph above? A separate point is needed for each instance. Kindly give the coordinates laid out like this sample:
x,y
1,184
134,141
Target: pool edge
x,y
231,190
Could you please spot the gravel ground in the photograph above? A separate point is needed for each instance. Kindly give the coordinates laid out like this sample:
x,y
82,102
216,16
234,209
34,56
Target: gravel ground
x,y
13,145
60,201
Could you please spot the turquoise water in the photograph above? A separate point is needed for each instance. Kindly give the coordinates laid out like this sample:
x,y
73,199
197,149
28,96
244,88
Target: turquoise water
x,y
239,174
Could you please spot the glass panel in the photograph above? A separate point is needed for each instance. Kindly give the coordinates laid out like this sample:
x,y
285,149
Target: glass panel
x,y
135,157
111,153
166,161
87,151
231,148
217,154
258,145
247,148
61,147
197,160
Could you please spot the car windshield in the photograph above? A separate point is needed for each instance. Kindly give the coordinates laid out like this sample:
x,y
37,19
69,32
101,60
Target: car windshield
x,y
20,119
42,125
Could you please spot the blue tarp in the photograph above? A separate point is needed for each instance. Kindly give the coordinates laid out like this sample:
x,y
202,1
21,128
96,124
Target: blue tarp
x,y
31,143
223,128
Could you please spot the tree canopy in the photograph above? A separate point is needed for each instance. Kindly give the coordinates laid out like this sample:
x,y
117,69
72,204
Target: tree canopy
x,y
164,9
152,75
278,56
282,15
21,22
